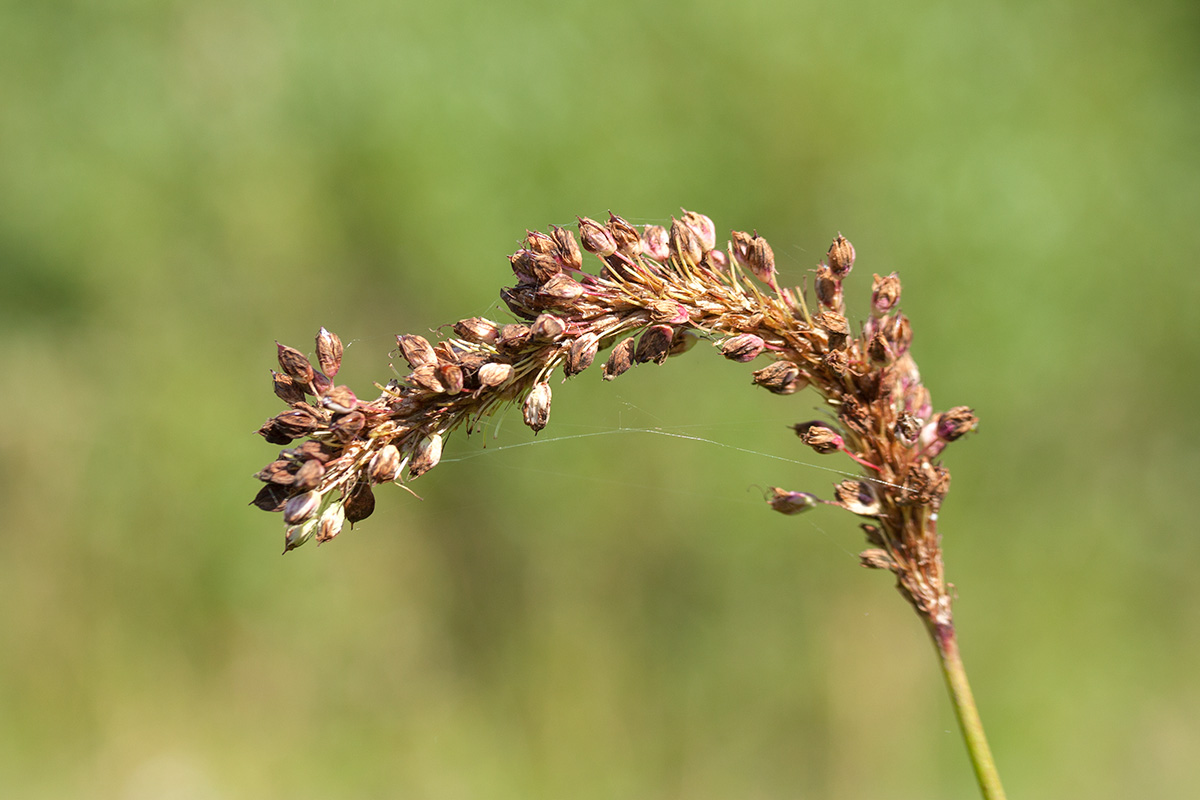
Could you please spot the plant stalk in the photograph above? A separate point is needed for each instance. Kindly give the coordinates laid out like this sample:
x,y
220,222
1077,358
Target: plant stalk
x,y
945,641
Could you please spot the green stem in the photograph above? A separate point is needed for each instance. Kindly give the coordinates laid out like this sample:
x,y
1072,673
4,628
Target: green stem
x,y
964,708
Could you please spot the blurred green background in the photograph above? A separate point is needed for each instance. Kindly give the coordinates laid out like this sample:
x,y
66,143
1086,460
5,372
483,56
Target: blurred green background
x,y
617,616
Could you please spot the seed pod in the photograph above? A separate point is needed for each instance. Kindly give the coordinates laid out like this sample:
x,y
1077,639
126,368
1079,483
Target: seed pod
x,y
879,351
426,455
287,389
417,350
295,423
752,252
786,502
271,497
568,248
537,406
321,383
654,344
782,377
885,293
625,235
477,330
835,325
743,347
531,267
684,244
299,534
329,352
271,431
385,465
620,359
561,288
359,503
857,497
282,472
828,289
841,256
426,377
493,374
513,337
596,238
819,437
301,507
451,378
582,353
309,475
331,522
702,226
347,427
339,400
540,243
656,243
293,362
547,328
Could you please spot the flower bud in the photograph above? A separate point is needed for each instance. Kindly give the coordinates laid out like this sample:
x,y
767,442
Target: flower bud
x,y
301,507
417,350
819,437
702,227
596,238
329,352
786,502
655,243
476,330
294,363
568,248
299,534
385,464
654,344
684,244
426,455
782,377
537,406
841,256
331,522
620,359
493,374
743,347
581,354
547,328
885,293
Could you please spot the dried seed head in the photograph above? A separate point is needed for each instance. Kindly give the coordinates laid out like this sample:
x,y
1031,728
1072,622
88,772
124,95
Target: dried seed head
x,y
547,328
684,244
537,406
828,289
782,377
427,377
426,455
347,427
301,507
654,345
359,503
287,389
837,362
294,363
752,252
819,437
835,325
540,243
309,475
339,400
702,227
743,347
655,243
521,300
417,350
385,464
513,337
282,472
271,497
956,423
620,359
561,287
568,248
841,256
857,497
786,502
493,374
625,235
329,352
531,267
885,293
295,423
877,559
332,520
596,238
477,330
581,354
854,415
879,350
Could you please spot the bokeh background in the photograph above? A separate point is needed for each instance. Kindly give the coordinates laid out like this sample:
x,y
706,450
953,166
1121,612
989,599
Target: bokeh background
x,y
616,615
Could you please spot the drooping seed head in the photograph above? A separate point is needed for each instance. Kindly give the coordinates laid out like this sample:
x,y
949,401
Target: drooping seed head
x,y
309,475
297,535
417,350
654,344
359,503
331,521
782,377
286,389
492,374
857,497
547,328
